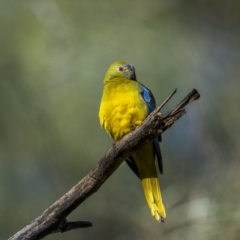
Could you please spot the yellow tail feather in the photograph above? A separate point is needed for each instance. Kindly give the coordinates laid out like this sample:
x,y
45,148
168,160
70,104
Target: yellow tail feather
x,y
145,161
153,196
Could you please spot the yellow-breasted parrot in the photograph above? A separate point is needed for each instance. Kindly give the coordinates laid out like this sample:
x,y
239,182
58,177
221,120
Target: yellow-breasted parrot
x,y
125,104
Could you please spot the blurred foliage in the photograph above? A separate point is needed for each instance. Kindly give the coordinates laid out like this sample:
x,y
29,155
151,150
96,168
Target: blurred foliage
x,y
53,58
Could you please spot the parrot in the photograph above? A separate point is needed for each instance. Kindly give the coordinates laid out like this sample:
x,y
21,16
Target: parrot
x,y
124,105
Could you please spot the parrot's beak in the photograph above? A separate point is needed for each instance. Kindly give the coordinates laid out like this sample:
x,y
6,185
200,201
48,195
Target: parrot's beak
x,y
129,71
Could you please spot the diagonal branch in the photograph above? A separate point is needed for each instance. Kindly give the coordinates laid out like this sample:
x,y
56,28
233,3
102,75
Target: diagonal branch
x,y
54,220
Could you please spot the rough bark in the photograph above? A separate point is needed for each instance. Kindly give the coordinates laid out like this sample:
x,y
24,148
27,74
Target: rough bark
x,y
53,219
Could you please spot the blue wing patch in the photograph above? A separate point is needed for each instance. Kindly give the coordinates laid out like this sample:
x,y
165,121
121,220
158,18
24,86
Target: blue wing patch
x,y
150,101
148,98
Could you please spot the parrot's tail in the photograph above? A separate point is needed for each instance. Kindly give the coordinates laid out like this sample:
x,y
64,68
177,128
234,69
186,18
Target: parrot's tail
x,y
153,196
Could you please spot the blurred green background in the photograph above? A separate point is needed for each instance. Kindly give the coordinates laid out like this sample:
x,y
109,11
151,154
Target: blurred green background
x,y
53,56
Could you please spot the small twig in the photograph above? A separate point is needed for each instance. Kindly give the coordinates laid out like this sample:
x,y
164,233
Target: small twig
x,y
167,99
67,226
193,95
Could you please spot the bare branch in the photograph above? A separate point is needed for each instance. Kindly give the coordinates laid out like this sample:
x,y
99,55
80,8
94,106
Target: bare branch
x,y
53,219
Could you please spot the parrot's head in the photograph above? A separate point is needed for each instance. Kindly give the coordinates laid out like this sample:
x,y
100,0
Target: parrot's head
x,y
120,69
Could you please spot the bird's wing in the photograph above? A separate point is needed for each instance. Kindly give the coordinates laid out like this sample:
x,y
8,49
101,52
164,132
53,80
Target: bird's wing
x,y
132,164
157,149
150,100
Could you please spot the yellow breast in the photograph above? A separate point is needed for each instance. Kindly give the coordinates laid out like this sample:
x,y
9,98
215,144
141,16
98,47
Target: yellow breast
x,y
122,107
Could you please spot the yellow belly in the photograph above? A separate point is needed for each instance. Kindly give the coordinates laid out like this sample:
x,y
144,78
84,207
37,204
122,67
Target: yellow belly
x,y
122,107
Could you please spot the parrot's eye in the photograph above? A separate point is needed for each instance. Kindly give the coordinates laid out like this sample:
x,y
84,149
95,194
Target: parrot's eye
x,y
120,69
